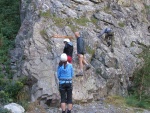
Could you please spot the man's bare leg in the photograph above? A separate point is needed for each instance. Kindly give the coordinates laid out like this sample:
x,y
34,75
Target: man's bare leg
x,y
80,57
85,62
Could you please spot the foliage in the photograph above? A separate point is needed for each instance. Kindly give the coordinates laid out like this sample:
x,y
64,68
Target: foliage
x,y
98,71
95,21
4,97
24,103
10,89
133,101
31,107
147,7
90,50
9,17
107,10
132,44
43,33
9,26
121,24
115,100
45,14
71,22
2,110
13,88
141,95
82,21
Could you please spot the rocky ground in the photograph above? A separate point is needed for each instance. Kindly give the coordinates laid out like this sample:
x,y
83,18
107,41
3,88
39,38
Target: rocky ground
x,y
96,107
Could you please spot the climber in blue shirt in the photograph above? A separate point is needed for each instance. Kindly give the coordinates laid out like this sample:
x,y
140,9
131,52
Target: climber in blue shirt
x,y
65,74
109,37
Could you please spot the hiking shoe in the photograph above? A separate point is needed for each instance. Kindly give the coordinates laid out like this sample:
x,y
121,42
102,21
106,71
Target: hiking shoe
x,y
88,67
112,50
79,74
69,111
63,111
108,44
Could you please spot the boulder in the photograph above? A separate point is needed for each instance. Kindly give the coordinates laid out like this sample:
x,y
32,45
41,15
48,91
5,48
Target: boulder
x,y
14,108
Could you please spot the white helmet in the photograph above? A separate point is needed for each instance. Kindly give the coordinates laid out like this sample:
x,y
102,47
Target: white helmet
x,y
63,57
66,40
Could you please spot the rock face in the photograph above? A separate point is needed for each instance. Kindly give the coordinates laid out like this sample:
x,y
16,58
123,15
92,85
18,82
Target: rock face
x,y
37,53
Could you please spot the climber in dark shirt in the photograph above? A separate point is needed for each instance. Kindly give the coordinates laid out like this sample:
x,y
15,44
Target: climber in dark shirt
x,y
68,49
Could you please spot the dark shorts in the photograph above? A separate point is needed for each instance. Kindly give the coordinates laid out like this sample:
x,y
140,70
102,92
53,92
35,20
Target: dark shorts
x,y
80,53
66,93
109,35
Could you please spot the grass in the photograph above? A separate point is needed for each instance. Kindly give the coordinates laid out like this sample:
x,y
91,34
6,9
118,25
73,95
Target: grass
x,y
125,103
81,21
58,21
43,33
143,11
35,105
132,44
121,24
98,71
115,100
71,22
49,48
90,50
140,94
134,102
73,28
46,38
107,10
46,14
147,6
94,20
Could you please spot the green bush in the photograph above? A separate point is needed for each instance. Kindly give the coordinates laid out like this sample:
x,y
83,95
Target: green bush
x,y
2,110
4,97
10,90
140,96
147,7
134,101
13,88
9,26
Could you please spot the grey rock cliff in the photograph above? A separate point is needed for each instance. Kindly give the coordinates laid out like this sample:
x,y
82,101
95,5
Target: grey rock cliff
x,y
37,54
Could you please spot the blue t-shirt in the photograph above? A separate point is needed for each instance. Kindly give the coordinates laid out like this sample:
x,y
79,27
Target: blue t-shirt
x,y
65,73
